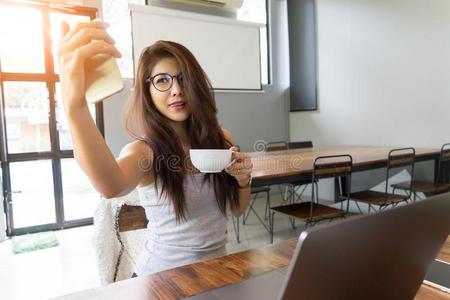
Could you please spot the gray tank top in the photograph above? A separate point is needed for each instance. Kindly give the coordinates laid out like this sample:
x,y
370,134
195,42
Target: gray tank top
x,y
202,235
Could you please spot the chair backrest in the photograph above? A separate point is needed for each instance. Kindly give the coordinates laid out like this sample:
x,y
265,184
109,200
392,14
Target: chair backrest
x,y
401,158
333,166
276,146
445,152
444,158
300,145
132,217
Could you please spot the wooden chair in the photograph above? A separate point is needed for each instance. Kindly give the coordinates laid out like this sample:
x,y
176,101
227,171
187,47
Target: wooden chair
x,y
131,217
271,146
254,192
276,146
397,158
291,188
300,145
425,187
116,236
312,211
128,218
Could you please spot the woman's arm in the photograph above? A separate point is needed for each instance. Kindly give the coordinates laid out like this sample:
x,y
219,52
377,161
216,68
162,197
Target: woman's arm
x,y
241,170
109,177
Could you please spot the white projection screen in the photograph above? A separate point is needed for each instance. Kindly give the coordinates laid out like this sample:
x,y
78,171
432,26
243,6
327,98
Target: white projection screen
x,y
227,49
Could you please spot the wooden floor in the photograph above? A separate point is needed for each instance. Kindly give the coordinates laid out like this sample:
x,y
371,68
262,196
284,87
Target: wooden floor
x,y
445,252
429,293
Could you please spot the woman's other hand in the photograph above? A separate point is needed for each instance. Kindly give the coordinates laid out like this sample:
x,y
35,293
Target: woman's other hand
x,y
75,47
240,167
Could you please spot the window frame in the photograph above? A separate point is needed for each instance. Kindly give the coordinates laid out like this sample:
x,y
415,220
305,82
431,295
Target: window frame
x,y
50,78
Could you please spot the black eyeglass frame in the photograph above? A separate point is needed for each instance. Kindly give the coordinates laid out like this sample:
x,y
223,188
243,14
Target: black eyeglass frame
x,y
178,77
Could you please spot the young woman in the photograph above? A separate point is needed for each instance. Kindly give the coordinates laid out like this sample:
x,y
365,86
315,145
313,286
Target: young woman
x,y
171,110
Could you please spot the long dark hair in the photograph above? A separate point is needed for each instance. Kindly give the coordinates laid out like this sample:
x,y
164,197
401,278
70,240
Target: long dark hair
x,y
144,122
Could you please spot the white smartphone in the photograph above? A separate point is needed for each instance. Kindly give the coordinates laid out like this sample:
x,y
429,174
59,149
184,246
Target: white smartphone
x,y
103,78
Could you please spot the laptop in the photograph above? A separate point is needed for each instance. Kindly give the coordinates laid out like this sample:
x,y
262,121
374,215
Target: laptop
x,y
384,255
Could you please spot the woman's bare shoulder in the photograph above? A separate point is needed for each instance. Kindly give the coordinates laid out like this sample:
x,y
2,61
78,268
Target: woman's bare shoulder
x,y
140,153
138,148
137,152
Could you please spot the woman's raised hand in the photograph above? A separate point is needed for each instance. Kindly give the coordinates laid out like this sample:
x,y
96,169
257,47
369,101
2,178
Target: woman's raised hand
x,y
75,47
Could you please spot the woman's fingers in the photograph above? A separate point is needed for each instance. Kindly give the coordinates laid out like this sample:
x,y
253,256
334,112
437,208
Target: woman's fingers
x,y
83,41
79,43
91,49
242,167
86,36
64,29
82,34
95,24
237,166
239,157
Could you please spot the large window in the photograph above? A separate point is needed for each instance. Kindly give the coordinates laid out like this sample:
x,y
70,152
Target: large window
x,y
116,13
43,186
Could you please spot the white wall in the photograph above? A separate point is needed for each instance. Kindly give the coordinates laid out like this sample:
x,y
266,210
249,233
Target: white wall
x,y
383,79
384,74
113,108
262,116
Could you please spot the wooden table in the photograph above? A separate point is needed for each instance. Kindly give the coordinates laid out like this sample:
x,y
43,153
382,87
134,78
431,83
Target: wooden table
x,y
295,164
199,277
289,166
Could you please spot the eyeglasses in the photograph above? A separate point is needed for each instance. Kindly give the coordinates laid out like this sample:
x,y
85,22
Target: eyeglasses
x,y
164,81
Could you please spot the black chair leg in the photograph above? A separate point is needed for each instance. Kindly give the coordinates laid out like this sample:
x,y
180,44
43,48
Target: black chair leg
x,y
244,218
291,219
271,220
267,211
236,228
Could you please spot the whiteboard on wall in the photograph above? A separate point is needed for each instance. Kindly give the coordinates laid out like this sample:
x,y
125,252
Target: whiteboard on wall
x,y
227,49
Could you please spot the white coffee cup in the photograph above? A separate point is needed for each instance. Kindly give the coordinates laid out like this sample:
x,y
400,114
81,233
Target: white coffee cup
x,y
210,160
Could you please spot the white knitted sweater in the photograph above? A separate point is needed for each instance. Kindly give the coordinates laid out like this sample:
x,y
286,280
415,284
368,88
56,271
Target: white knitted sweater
x,y
107,245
